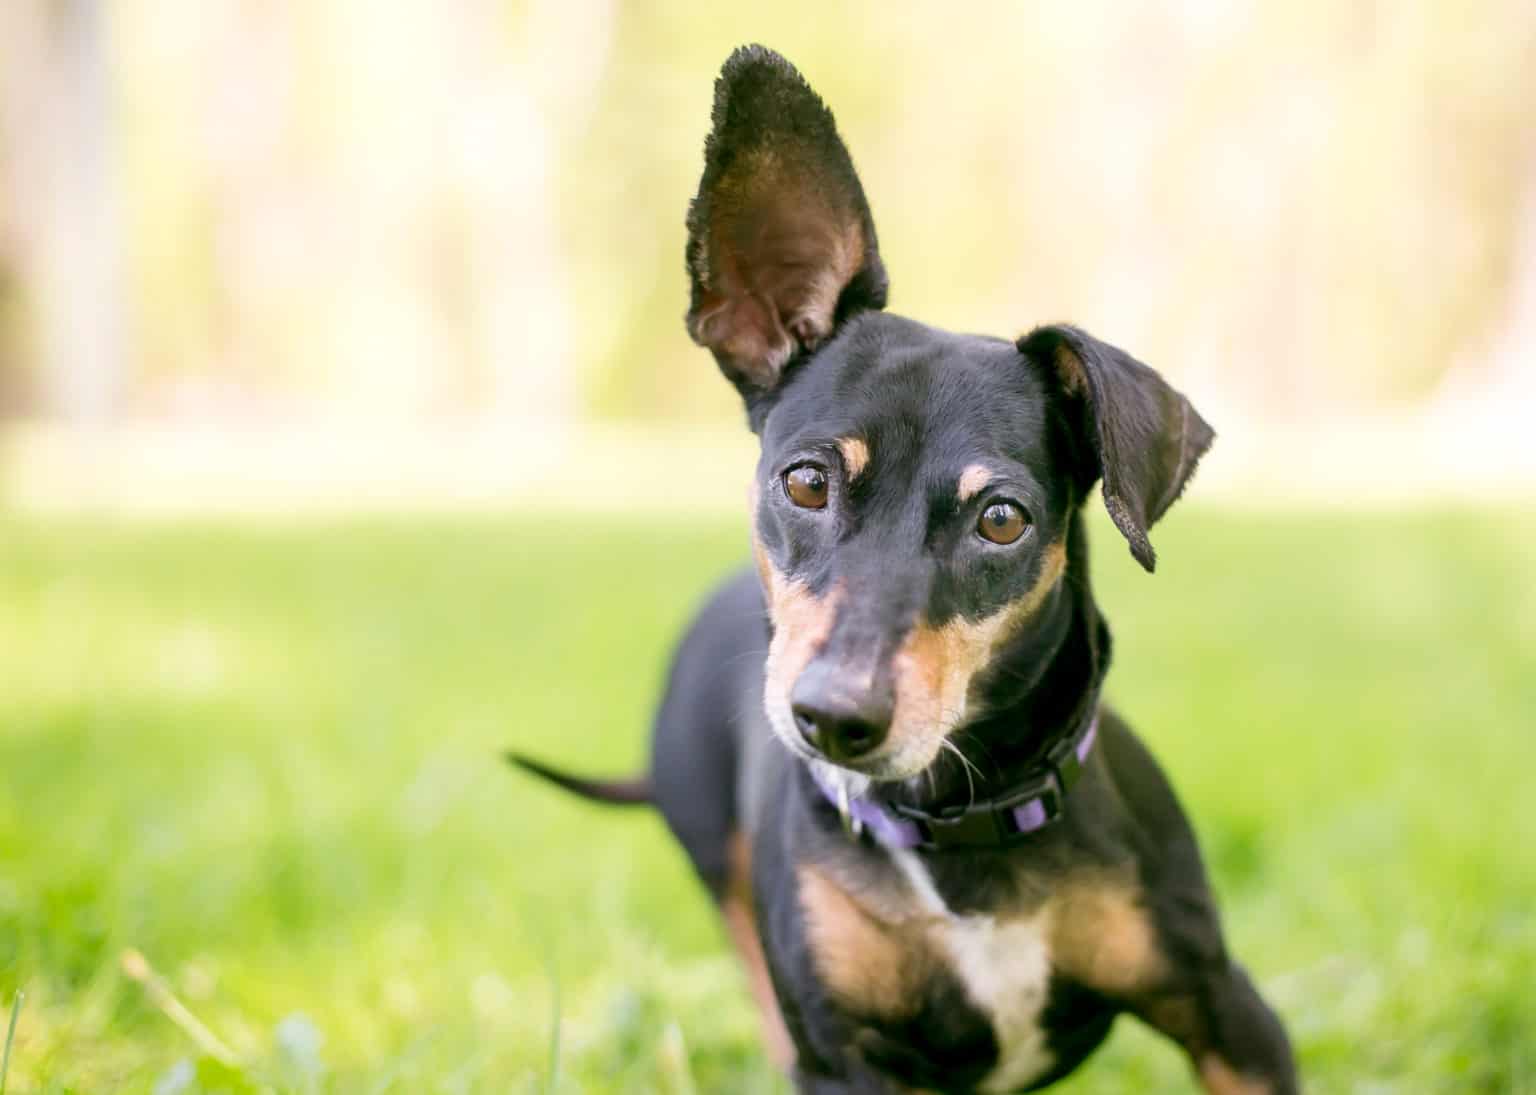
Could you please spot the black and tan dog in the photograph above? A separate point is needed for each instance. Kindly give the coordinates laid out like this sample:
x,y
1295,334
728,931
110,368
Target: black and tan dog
x,y
948,867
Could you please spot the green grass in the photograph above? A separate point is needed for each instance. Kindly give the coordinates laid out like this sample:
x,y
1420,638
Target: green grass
x,y
266,757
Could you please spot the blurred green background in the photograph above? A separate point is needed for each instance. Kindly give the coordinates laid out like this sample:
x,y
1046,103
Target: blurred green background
x,y
268,758
349,434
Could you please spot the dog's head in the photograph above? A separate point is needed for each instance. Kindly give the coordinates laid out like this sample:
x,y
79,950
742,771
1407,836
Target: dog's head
x,y
916,487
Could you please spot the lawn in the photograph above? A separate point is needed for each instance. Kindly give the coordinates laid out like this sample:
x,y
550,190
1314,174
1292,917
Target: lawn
x,y
265,758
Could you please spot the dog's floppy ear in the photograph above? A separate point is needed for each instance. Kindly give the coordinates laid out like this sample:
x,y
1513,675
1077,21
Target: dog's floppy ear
x,y
781,246
1132,428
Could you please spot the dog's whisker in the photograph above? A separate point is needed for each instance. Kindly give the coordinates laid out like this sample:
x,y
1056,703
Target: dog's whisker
x,y
967,767
981,744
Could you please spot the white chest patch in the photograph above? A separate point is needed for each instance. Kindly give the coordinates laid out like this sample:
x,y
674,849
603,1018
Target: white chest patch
x,y
1006,970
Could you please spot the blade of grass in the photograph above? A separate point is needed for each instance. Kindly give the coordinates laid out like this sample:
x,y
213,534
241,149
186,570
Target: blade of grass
x,y
137,967
10,1036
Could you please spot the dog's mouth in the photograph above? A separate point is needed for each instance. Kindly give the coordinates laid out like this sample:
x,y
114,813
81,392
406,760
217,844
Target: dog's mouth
x,y
906,754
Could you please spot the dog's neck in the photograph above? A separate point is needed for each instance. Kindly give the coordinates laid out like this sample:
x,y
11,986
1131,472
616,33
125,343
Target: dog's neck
x,y
1043,690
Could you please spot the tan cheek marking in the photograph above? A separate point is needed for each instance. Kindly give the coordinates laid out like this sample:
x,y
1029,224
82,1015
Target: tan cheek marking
x,y
801,623
1102,935
926,683
972,479
855,456
934,667
765,571
1220,1078
872,967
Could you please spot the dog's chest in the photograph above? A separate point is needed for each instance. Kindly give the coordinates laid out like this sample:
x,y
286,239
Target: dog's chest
x,y
1004,970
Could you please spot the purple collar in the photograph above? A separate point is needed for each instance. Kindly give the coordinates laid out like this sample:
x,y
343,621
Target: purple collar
x,y
1002,820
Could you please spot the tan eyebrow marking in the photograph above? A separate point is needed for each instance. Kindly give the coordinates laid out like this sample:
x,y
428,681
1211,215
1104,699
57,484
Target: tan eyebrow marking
x,y
855,455
972,479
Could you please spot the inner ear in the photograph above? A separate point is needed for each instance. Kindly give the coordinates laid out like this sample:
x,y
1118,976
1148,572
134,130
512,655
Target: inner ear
x,y
781,244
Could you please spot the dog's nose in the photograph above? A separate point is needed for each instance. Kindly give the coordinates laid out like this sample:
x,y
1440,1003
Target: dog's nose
x,y
839,723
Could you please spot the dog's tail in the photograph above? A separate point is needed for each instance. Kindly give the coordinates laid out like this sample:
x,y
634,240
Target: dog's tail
x,y
618,792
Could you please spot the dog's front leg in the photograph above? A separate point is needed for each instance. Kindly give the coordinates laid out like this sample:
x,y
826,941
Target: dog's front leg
x,y
1235,1042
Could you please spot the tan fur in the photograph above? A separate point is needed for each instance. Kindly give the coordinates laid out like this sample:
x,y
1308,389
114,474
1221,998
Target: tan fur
x,y
972,479
876,947
765,571
1101,934
741,924
935,667
1220,1078
874,967
801,623
855,456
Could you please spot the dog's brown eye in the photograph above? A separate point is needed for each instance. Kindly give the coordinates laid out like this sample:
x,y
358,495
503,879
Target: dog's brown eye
x,y
806,485
1002,523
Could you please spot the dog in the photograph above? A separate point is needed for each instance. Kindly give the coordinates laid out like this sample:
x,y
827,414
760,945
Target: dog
x,y
948,866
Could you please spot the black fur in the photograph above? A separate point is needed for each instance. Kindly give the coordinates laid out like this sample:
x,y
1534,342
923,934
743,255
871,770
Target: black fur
x,y
1144,437
615,792
896,548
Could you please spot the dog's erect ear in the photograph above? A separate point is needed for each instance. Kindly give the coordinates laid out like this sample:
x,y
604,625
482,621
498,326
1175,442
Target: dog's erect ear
x,y
1132,429
781,246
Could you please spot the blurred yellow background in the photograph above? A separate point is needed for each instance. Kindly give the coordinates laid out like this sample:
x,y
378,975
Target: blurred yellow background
x,y
345,252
